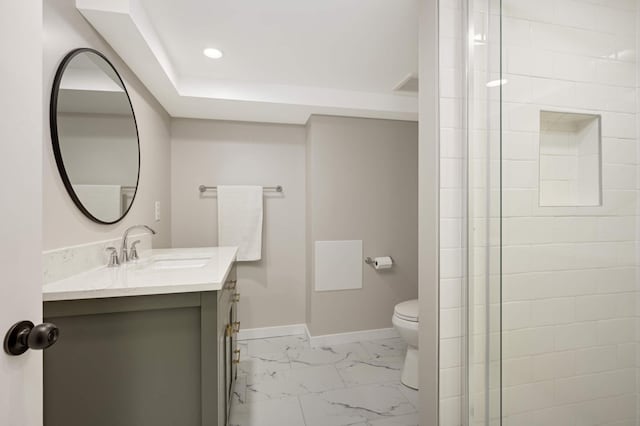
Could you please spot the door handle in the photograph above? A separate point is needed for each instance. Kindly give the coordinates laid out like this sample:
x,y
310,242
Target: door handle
x,y
23,336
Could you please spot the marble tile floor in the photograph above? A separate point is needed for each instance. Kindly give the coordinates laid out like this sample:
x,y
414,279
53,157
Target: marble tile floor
x,y
284,382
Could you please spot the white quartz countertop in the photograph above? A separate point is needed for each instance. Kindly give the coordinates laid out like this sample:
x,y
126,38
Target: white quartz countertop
x,y
164,271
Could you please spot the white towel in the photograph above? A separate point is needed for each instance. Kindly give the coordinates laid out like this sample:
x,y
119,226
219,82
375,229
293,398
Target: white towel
x,y
240,220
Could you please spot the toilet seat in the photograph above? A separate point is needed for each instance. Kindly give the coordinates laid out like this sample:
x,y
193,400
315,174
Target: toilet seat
x,y
407,311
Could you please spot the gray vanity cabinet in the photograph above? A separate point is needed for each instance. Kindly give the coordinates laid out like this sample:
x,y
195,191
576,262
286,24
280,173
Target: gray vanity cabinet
x,y
228,328
158,360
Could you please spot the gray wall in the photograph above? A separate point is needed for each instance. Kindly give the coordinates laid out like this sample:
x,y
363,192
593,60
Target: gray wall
x,y
64,225
362,184
349,177
235,153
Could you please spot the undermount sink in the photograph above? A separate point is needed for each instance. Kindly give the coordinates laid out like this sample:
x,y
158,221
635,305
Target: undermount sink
x,y
178,263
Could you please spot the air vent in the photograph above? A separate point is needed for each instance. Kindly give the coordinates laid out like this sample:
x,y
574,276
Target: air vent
x,y
408,84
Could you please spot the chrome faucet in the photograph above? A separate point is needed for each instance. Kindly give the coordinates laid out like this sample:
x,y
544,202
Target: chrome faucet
x,y
124,249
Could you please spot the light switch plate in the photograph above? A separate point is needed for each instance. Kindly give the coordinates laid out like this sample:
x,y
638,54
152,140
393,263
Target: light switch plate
x,y
157,211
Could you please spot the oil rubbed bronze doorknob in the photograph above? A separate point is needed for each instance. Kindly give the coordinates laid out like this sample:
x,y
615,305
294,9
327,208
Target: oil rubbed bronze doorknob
x,y
23,336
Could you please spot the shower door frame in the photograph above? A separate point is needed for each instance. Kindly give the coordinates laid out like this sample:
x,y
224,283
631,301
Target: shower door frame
x,y
489,36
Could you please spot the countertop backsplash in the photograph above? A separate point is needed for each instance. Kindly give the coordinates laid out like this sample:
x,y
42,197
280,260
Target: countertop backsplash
x,y
65,262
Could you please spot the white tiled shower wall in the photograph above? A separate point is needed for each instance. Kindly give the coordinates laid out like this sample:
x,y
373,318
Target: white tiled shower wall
x,y
569,286
569,273
451,211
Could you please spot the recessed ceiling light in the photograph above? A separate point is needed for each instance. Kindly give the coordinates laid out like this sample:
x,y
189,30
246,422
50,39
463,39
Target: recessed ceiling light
x,y
212,53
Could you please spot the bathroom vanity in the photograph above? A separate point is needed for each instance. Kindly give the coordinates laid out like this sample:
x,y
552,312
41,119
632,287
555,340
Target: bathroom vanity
x,y
150,343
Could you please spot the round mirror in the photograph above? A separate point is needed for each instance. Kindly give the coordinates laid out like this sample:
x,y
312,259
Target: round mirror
x,y
95,136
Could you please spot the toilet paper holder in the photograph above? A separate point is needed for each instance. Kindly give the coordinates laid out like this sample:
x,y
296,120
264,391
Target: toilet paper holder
x,y
370,261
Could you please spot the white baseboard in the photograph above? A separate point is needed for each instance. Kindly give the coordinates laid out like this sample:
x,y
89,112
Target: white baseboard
x,y
307,332
267,332
316,341
355,336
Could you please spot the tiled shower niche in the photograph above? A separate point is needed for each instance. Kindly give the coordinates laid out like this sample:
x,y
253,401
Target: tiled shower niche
x,y
570,159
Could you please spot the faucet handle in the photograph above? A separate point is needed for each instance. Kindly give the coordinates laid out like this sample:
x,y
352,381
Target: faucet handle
x,y
133,252
113,257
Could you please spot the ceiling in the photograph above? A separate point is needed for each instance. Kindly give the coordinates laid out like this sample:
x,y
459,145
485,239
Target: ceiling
x,y
283,59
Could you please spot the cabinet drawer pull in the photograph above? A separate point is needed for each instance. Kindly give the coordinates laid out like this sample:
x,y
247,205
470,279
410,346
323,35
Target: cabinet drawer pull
x,y
236,326
236,297
237,360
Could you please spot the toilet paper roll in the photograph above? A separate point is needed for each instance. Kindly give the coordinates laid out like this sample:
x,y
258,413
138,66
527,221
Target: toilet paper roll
x,y
383,262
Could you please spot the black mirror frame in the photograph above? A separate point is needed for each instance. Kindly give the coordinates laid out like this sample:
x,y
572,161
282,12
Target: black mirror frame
x,y
53,123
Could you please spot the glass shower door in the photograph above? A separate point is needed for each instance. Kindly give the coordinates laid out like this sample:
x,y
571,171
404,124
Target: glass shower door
x,y
552,212
483,123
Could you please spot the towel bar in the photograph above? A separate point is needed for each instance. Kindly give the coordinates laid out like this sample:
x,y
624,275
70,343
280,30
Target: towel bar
x,y
203,188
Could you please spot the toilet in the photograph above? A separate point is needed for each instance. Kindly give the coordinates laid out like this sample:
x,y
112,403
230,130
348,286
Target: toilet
x,y
405,320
